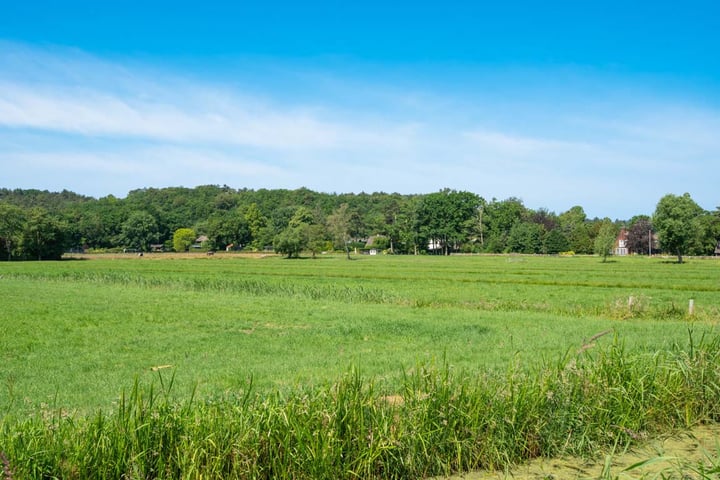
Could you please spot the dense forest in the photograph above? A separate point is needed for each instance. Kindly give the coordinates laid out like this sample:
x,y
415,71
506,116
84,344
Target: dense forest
x,y
42,225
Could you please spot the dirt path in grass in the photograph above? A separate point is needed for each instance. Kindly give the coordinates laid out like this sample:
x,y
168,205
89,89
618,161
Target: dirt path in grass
x,y
667,454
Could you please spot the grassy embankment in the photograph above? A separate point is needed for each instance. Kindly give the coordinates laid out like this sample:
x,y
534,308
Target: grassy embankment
x,y
476,359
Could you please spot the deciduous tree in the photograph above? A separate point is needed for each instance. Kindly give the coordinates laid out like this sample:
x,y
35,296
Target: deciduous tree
x,y
291,241
44,235
12,223
526,237
183,238
448,216
605,239
499,217
575,226
640,237
675,220
139,231
555,242
338,224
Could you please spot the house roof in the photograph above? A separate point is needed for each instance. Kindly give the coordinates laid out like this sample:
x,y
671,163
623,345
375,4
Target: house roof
x,y
372,239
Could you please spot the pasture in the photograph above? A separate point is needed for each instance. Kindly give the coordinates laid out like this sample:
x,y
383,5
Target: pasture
x,y
78,332
80,336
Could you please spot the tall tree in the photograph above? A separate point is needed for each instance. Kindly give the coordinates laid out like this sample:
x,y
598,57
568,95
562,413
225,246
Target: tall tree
x,y
576,228
640,236
448,217
708,234
257,223
291,241
605,239
12,223
675,220
316,238
407,226
225,229
499,217
526,237
338,224
139,231
44,235
556,242
183,238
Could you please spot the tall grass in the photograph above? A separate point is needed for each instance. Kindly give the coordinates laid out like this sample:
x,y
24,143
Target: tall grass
x,y
440,421
624,301
247,286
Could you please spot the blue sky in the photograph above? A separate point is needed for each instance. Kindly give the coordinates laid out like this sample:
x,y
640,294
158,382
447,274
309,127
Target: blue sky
x,y
608,105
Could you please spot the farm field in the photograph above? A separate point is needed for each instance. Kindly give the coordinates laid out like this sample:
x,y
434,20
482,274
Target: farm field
x,y
78,332
84,335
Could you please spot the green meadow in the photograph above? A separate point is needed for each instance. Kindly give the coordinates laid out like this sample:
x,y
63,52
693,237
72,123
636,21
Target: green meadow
x,y
84,338
75,333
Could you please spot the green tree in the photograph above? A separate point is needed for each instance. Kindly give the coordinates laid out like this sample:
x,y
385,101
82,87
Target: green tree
x,y
526,237
100,222
498,219
406,224
556,242
447,217
338,224
227,228
300,216
291,241
575,226
316,239
44,235
12,224
708,225
640,237
257,224
675,221
605,239
139,231
183,238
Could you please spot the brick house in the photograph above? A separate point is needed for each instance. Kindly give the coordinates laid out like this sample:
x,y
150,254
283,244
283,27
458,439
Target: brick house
x,y
621,243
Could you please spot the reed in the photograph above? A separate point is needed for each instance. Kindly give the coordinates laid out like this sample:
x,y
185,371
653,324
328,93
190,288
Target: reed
x,y
439,421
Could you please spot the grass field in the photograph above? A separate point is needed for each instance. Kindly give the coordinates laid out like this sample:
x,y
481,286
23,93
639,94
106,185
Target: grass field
x,y
77,334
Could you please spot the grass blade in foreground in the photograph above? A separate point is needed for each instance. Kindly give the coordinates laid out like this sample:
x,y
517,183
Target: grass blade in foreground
x,y
439,423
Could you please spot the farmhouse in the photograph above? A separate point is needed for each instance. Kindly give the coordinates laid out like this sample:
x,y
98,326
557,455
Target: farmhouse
x,y
375,244
199,241
623,247
621,243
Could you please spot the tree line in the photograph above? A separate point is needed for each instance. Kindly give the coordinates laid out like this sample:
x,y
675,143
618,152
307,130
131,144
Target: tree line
x,y
43,225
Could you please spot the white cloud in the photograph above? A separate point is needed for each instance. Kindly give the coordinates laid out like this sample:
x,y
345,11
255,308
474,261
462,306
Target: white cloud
x,y
99,126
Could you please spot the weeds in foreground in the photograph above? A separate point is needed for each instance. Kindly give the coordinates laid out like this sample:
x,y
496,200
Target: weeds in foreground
x,y
439,422
7,473
665,468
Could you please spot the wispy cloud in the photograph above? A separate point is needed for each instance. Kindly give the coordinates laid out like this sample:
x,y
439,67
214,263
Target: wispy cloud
x,y
106,126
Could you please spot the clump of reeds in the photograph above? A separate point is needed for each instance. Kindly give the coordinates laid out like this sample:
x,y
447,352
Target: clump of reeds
x,y
439,421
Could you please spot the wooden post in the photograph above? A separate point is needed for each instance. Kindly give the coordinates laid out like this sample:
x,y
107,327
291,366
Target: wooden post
x,y
691,307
